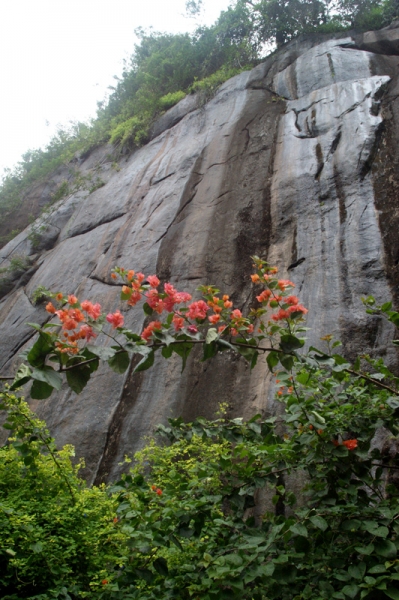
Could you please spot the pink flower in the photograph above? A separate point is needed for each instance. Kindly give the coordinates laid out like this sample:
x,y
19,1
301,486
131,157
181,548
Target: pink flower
x,y
155,301
93,310
116,319
236,314
192,329
178,322
72,299
134,298
87,332
197,310
284,283
69,324
297,308
153,281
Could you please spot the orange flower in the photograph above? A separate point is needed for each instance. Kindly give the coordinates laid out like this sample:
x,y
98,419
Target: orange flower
x,y
50,308
72,299
104,582
115,519
284,283
126,290
114,276
350,444
159,492
59,296
147,332
214,319
228,304
255,278
130,275
264,296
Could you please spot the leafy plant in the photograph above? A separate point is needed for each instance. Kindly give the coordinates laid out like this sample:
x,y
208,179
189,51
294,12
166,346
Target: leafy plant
x,y
56,535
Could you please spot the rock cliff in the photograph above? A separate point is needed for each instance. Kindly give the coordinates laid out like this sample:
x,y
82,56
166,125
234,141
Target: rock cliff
x,y
296,161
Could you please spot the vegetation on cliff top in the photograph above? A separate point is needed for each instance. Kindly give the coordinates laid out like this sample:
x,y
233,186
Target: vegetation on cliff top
x,y
165,67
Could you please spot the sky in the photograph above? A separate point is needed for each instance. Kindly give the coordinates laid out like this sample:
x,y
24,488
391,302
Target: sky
x,y
57,58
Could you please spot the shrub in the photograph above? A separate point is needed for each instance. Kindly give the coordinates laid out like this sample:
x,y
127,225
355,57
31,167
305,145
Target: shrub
x,y
57,535
171,99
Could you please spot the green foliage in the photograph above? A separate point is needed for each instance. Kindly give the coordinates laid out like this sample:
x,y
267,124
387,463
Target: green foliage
x,y
61,192
208,86
171,99
132,132
40,294
299,506
190,509
57,535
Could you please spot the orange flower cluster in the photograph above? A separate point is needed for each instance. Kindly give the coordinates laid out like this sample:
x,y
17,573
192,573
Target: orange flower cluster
x,y
350,444
70,319
147,333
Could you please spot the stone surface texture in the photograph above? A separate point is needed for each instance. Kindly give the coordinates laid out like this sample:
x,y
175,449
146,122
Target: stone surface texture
x,y
296,161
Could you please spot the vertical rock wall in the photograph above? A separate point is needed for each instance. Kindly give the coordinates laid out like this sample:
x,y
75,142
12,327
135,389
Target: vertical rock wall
x,y
293,161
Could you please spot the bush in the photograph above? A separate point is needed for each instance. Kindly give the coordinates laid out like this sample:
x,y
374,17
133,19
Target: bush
x,y
171,99
57,536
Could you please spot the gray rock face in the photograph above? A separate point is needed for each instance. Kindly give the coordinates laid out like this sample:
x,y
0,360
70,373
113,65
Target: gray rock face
x,y
295,161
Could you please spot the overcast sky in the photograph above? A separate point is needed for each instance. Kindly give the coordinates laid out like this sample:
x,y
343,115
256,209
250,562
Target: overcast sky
x,y
57,58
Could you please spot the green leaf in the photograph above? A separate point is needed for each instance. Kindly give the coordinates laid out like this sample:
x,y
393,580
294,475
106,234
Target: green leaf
x,y
24,374
357,571
290,342
211,336
287,361
385,548
37,547
40,349
93,358
120,362
101,351
210,350
351,590
183,350
145,363
78,377
48,375
299,529
161,566
377,569
226,345
175,541
319,522
318,417
272,360
147,309
167,351
392,592
40,390
366,550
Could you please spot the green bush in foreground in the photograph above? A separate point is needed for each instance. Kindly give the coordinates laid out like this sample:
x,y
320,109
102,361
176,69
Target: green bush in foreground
x,y
57,536
299,506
